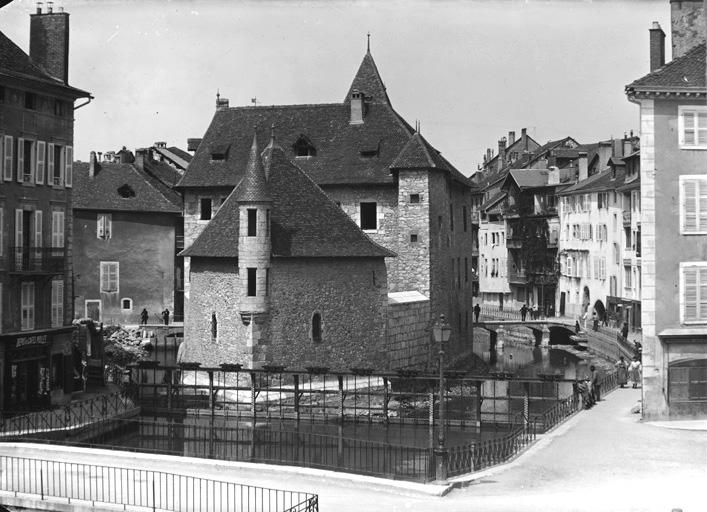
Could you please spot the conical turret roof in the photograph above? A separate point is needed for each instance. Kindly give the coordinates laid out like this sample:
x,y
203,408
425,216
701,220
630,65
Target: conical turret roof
x,y
254,187
369,82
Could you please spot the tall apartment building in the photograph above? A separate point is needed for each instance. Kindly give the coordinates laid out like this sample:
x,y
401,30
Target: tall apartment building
x,y
36,167
673,113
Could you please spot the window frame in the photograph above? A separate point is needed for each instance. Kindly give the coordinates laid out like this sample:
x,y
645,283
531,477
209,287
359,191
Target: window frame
x,y
701,319
104,226
251,281
211,208
57,300
30,307
252,222
366,228
104,266
700,181
124,309
695,110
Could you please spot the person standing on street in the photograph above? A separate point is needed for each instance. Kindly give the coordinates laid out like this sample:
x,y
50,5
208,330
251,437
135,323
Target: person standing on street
x,y
523,312
165,316
622,371
477,310
624,332
634,370
596,387
143,316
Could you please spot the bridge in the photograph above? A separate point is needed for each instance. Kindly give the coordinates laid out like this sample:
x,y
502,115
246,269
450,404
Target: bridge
x,y
541,328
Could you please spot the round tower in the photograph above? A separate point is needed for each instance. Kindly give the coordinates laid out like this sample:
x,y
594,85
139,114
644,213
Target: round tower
x,y
254,205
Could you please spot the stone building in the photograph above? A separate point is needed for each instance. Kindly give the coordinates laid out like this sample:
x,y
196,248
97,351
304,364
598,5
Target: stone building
x,y
282,276
36,169
380,171
673,173
128,230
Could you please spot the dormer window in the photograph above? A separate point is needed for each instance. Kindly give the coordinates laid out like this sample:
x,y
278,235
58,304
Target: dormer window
x,y
218,152
126,191
304,147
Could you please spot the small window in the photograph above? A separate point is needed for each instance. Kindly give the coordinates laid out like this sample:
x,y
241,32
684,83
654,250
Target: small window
x,y
414,198
692,127
317,327
126,304
126,191
369,220
30,100
104,225
109,276
252,222
252,275
205,208
303,147
413,238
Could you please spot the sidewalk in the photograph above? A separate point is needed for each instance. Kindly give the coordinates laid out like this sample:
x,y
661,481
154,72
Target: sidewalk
x,y
603,459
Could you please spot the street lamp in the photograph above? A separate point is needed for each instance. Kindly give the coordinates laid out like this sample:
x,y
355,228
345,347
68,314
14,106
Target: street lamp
x,y
441,331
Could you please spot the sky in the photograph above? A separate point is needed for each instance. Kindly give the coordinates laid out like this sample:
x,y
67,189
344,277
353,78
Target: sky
x,y
469,71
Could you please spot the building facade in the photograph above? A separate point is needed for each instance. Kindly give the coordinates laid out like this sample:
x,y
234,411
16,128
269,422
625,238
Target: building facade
x,y
381,172
37,125
127,233
673,171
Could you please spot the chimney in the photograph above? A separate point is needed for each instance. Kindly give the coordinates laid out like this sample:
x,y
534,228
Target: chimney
x,y
502,153
357,107
511,138
92,165
657,46
140,156
99,156
628,147
221,102
582,166
49,41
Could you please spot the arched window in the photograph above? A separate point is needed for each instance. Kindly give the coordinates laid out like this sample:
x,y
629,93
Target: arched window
x,y
317,327
304,147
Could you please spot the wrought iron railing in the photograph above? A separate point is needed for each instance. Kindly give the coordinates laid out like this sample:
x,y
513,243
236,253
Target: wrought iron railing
x,y
72,415
91,484
37,259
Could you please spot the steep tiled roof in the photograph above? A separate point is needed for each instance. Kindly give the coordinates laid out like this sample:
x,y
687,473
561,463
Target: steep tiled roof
x,y
163,172
419,154
16,63
530,178
304,221
687,72
344,153
253,188
493,200
599,182
101,191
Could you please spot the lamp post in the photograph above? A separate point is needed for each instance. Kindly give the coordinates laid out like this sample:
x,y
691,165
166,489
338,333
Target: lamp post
x,y
441,332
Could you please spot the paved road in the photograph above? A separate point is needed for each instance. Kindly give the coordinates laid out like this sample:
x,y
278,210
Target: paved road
x,y
604,459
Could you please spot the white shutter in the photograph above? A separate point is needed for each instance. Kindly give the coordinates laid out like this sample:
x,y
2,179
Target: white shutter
x,y
38,229
18,227
57,303
690,293
50,164
108,226
104,277
27,300
701,201
41,159
58,229
113,277
689,205
20,159
8,157
69,169
702,292
100,225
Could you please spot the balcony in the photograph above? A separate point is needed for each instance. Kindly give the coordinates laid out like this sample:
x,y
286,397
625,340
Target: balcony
x,y
627,218
36,260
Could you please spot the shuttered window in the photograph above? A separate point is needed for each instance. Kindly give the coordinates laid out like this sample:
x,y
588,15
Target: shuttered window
x,y
693,204
50,163
41,159
692,127
27,302
69,169
109,276
693,294
7,151
57,303
38,229
58,229
104,225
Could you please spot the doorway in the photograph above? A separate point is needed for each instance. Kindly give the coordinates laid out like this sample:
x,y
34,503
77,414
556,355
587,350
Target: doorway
x,y
93,310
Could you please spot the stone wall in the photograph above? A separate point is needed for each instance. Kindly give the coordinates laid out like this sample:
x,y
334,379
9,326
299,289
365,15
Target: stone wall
x,y
413,262
349,294
687,25
408,333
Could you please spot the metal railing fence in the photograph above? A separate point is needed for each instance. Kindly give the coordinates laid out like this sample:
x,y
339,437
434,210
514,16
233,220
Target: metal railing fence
x,y
72,415
142,489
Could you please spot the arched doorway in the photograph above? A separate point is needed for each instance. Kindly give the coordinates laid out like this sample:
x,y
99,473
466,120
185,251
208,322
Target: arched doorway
x,y
600,309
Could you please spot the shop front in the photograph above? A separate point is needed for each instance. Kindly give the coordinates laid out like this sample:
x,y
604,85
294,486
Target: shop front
x,y
37,369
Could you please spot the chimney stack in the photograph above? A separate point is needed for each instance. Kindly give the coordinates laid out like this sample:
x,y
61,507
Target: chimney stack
x,y
357,107
502,153
511,138
39,7
657,46
92,165
140,155
582,166
49,41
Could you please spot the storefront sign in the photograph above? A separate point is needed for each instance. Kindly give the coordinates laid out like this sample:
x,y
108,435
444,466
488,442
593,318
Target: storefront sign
x,y
27,341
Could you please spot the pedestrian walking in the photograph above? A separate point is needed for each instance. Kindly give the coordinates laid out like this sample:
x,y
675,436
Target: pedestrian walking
x,y
622,371
523,312
634,370
595,321
594,381
143,316
477,310
165,316
624,331
576,326
638,350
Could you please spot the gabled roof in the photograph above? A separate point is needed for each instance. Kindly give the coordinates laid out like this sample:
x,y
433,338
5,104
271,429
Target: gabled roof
x,y
179,157
686,73
419,154
345,153
529,178
549,146
101,191
17,64
304,221
599,182
493,200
